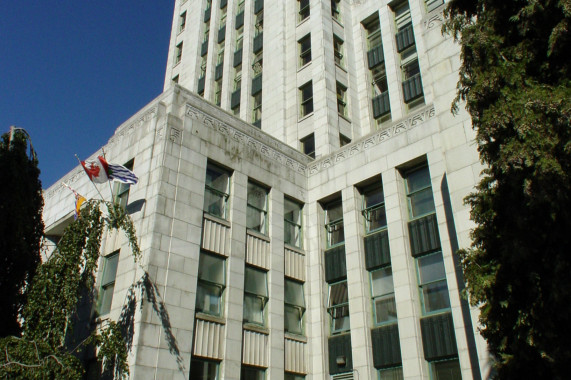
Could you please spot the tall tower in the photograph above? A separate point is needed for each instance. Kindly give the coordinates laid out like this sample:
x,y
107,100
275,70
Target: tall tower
x,y
314,74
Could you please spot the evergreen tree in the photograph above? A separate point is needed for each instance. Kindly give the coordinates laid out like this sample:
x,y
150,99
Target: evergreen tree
x,y
515,81
21,225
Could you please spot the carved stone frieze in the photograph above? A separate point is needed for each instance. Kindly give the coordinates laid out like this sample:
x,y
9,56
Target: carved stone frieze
x,y
130,128
434,18
175,135
372,140
249,141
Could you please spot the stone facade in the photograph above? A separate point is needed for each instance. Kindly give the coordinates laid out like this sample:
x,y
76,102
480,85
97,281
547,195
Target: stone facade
x,y
181,141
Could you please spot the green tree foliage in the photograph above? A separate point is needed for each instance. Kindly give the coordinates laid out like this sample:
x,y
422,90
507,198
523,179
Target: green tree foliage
x,y
21,226
515,81
42,352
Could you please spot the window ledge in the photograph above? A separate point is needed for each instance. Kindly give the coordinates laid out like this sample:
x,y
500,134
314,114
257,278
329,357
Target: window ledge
x,y
305,117
210,318
304,66
216,219
373,232
258,235
256,328
296,337
341,67
436,312
294,248
176,64
422,215
334,246
337,21
338,333
303,21
344,118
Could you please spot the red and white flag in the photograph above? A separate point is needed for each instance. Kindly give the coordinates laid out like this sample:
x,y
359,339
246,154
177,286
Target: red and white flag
x,y
96,170
100,171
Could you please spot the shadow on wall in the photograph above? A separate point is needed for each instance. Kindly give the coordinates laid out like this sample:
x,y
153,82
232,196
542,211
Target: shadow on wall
x,y
469,328
144,290
149,292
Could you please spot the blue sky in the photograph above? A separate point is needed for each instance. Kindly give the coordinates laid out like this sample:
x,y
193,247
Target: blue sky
x,y
71,71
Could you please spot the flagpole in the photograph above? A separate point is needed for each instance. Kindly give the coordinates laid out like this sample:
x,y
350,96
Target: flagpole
x,y
109,182
98,192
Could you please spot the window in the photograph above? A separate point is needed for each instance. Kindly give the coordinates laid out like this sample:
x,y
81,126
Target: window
x,y
211,284
432,283
220,54
391,373
122,189
446,370
306,94
206,32
410,69
255,296
182,22
218,92
258,64
259,23
294,307
402,15
237,77
336,9
304,50
239,38
217,191
293,376
383,294
107,287
178,54
433,4
252,373
257,212
308,145
292,223
341,99
303,9
203,67
338,50
203,369
257,109
175,79
223,12
419,192
334,224
374,209
379,80
240,6
373,30
338,307
343,140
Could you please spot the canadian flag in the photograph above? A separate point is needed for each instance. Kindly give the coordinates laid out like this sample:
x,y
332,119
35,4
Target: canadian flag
x,y
96,170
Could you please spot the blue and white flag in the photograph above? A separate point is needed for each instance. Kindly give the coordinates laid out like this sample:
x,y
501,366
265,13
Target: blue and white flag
x,y
118,172
121,174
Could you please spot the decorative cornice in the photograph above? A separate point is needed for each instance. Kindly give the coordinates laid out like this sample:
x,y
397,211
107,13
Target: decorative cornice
x,y
70,179
130,128
372,140
248,141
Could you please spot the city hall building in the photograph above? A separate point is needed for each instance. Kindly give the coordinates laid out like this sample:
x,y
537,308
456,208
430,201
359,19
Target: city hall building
x,y
300,197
